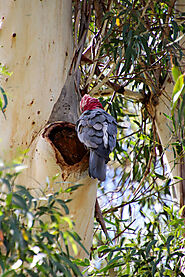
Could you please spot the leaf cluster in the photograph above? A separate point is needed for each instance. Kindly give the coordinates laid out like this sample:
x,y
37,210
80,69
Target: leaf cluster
x,y
30,245
154,250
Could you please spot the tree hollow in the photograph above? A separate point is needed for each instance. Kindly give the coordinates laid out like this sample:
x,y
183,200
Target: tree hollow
x,y
64,137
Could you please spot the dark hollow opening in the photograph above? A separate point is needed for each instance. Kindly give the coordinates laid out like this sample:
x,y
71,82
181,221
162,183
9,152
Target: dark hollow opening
x,y
64,137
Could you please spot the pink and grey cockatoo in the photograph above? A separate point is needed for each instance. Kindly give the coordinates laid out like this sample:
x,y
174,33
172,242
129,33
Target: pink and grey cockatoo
x,y
97,130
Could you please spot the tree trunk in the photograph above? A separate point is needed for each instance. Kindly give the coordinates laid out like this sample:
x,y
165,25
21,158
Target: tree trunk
x,y
176,167
37,46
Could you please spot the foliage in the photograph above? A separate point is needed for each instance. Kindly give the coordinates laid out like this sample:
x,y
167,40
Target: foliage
x,y
154,250
178,100
133,43
4,72
3,107
29,245
130,49
146,233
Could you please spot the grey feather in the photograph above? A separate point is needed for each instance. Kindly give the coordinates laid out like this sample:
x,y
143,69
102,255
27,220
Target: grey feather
x,y
83,137
112,129
96,139
98,126
99,133
97,130
112,142
97,166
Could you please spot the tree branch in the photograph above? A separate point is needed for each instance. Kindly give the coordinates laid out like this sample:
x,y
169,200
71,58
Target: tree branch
x,y
99,218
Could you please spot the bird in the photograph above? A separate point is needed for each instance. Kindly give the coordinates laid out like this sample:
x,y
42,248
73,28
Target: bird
x,y
97,130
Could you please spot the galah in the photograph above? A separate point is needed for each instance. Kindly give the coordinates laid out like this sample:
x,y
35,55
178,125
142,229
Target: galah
x,y
97,130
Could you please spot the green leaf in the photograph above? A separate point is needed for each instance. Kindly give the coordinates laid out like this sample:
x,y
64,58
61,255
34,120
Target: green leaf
x,y
117,258
4,70
71,265
1,103
178,178
81,262
169,239
9,199
167,116
113,23
8,273
72,188
151,243
102,248
144,44
4,98
76,237
63,205
19,201
175,29
181,210
7,183
181,112
160,176
176,72
179,88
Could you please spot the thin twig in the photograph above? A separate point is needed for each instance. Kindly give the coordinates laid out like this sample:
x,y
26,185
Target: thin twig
x,y
110,103
129,135
118,235
99,218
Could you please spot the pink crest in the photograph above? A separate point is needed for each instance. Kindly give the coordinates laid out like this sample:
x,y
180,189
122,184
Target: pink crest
x,y
89,103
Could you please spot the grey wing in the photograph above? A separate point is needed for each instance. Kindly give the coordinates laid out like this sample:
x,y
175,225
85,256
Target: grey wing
x,y
112,142
89,129
97,130
112,132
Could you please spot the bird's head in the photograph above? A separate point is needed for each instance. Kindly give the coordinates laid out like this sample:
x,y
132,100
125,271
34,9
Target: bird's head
x,y
89,103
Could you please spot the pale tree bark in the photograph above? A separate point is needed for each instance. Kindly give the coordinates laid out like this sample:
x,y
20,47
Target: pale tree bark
x,y
37,46
176,167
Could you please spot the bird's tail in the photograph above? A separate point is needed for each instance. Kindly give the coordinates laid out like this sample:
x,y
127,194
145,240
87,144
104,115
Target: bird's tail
x,y
97,166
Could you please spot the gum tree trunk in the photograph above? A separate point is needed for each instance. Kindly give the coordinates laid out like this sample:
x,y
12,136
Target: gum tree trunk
x,y
176,168
37,46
